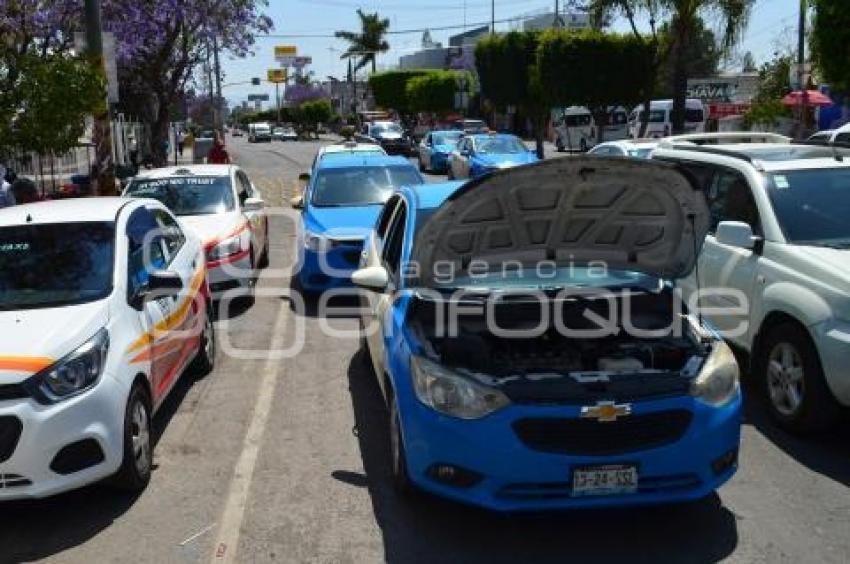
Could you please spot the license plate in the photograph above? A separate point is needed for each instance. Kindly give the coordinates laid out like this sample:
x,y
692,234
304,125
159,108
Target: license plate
x,y
605,480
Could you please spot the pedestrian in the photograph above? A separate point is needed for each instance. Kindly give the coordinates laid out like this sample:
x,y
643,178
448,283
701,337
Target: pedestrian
x,y
218,154
181,142
7,198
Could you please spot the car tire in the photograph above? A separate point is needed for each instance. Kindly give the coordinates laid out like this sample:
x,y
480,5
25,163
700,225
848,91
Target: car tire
x,y
792,380
135,471
559,145
204,362
583,145
398,458
264,258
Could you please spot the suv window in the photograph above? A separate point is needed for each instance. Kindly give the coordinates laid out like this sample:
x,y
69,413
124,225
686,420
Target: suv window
x,y
145,251
731,199
394,241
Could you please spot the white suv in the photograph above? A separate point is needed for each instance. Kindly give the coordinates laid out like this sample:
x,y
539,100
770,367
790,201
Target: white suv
x,y
780,237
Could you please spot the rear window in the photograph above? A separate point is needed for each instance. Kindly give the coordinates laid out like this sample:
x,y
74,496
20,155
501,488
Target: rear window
x,y
577,121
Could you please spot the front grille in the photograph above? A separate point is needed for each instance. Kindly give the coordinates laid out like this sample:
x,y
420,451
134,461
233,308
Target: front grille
x,y
558,490
10,432
589,437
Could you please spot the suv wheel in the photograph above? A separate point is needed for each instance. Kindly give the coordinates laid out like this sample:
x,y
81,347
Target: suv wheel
x,y
795,390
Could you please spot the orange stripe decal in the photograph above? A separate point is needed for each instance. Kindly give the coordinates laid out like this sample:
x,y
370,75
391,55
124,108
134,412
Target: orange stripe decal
x,y
31,364
210,243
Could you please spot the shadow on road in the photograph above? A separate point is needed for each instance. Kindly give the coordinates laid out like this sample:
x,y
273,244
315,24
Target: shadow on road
x,y
825,452
427,529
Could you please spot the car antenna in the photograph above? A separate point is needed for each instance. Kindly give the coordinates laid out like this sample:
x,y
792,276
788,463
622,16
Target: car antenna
x,y
692,217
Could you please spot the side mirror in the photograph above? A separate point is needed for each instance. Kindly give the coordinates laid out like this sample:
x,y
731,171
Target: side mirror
x,y
736,234
304,176
253,205
371,278
297,202
161,284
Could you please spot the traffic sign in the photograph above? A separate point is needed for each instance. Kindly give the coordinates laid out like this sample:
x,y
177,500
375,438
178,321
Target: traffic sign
x,y
258,97
277,76
301,62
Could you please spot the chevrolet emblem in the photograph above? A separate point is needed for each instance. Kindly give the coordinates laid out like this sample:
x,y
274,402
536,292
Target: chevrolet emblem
x,y
606,411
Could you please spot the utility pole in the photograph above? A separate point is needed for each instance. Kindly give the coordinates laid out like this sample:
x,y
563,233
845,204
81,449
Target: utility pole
x,y
219,106
557,22
801,70
102,174
277,93
492,17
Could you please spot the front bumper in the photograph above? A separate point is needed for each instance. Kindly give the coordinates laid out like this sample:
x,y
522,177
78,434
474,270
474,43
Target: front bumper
x,y
230,279
320,271
515,477
96,415
832,339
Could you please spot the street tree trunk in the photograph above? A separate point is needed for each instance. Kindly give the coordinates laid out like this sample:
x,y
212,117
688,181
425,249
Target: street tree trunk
x,y
159,133
681,33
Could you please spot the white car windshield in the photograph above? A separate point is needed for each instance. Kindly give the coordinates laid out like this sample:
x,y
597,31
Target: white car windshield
x,y
58,264
812,206
187,195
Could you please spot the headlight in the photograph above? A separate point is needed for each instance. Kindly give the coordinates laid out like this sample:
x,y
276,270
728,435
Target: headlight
x,y
226,248
73,374
316,242
449,393
717,382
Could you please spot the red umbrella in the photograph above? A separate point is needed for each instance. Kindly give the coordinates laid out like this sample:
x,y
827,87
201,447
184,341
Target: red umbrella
x,y
813,98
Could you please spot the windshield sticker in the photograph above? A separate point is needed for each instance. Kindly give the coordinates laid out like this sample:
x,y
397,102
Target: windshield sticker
x,y
781,182
154,184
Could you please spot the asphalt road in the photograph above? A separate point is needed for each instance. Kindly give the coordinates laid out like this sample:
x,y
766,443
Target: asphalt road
x,y
285,459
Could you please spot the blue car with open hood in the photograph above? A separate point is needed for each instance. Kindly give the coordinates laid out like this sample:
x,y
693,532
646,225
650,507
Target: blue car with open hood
x,y
480,154
338,208
530,345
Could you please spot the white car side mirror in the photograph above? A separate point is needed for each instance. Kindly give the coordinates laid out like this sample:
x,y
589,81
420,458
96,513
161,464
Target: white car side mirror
x,y
736,234
371,278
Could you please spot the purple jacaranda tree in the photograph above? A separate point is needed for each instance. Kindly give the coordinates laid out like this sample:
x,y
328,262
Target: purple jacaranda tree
x,y
297,94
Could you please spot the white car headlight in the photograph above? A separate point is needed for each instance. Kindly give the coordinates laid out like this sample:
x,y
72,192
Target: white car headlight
x,y
447,392
226,248
717,382
73,374
317,243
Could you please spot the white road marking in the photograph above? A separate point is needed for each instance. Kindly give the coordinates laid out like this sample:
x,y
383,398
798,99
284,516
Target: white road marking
x,y
227,539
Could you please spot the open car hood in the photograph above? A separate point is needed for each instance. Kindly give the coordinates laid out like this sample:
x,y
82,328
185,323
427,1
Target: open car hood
x,y
633,215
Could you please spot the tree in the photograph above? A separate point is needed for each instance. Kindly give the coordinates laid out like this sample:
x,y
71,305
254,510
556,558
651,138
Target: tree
x,y
830,41
507,69
435,91
390,88
313,113
563,54
366,45
702,57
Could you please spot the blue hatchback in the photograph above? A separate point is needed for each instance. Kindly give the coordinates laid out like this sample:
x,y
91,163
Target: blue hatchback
x,y
530,345
476,155
339,206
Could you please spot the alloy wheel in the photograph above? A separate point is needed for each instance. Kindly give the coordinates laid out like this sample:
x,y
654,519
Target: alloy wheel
x,y
140,434
785,378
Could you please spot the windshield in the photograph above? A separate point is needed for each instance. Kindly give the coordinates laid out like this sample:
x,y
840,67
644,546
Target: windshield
x,y
501,145
812,206
189,195
447,138
511,277
55,265
360,186
655,116
389,128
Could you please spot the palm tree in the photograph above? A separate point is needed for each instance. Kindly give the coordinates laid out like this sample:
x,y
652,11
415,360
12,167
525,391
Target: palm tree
x,y
366,45
685,22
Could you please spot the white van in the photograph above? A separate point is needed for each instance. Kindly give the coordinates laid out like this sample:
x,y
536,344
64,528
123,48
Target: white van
x,y
660,118
617,127
259,132
574,129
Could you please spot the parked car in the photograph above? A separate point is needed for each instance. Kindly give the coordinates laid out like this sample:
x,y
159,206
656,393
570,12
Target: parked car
x,y
519,402
391,137
259,132
338,207
435,149
661,120
471,126
221,205
105,306
638,148
476,155
779,235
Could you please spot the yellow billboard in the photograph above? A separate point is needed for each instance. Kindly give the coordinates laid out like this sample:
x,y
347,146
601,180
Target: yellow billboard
x,y
277,76
285,51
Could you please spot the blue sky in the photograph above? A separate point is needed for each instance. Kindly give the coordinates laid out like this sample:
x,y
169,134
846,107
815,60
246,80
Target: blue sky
x,y
772,22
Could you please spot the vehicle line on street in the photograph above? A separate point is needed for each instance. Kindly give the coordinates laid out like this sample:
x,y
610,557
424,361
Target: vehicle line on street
x,y
226,542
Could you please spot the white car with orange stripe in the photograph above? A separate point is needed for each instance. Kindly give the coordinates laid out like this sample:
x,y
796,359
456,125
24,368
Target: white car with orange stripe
x,y
224,208
104,304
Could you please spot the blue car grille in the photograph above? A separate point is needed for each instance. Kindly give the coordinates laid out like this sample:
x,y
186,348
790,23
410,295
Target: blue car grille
x,y
589,437
560,490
